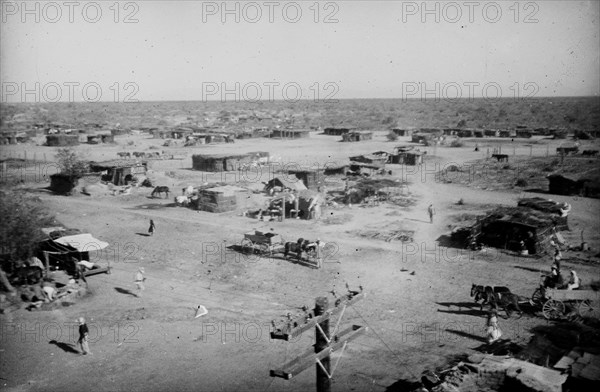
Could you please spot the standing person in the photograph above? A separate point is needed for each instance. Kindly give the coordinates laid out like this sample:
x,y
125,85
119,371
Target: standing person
x,y
431,212
493,332
83,336
152,227
139,281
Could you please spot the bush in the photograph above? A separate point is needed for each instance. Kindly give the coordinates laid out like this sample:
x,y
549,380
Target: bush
x,y
460,202
22,218
70,163
391,136
456,143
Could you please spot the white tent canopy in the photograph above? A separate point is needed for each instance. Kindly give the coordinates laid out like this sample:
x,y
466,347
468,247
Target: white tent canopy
x,y
82,242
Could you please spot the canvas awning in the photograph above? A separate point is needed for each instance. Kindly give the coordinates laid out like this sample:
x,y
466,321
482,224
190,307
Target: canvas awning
x,y
82,242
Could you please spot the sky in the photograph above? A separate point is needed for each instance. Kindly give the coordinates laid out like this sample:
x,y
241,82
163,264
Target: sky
x,y
197,50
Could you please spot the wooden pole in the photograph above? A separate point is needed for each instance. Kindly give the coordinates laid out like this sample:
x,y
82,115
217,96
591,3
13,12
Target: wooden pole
x,y
323,368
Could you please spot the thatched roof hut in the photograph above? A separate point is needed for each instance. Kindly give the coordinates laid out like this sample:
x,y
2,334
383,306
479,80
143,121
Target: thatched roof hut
x,y
357,136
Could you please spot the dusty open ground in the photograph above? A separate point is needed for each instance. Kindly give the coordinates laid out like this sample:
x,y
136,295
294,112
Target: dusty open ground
x,y
417,308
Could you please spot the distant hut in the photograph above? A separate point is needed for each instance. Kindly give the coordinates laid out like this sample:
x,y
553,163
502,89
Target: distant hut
x,y
402,132
62,183
119,172
336,131
60,140
491,132
357,136
290,133
311,178
220,199
282,183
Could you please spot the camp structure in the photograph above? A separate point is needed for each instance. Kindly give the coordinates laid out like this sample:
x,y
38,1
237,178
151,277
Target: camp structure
x,y
64,250
560,211
585,184
524,133
402,131
513,228
227,162
100,138
290,133
282,183
119,172
336,131
219,199
357,136
253,133
312,178
63,183
491,132
406,155
61,140
369,160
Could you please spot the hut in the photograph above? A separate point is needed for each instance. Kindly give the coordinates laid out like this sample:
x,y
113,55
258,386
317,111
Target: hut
x,y
357,136
587,184
64,248
523,133
491,132
224,162
60,140
510,227
478,133
402,132
450,131
504,133
253,133
560,211
100,138
407,157
119,172
377,161
336,131
220,199
279,184
465,133
311,178
290,133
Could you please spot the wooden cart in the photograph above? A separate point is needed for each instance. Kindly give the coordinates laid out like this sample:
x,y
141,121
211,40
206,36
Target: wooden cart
x,y
262,243
587,303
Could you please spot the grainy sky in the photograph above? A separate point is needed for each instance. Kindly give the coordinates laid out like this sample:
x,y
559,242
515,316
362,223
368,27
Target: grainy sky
x,y
193,50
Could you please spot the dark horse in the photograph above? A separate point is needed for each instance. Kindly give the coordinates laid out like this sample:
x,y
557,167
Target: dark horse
x,y
296,247
159,190
487,293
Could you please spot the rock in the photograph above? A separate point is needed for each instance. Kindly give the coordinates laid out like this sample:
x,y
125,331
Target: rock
x,y
429,379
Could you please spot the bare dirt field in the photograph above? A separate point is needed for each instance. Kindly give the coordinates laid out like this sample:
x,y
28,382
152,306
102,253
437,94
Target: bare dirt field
x,y
417,308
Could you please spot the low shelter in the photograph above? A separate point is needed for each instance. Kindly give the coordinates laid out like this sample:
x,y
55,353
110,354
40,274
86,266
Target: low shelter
x,y
220,198
336,131
290,133
119,172
357,136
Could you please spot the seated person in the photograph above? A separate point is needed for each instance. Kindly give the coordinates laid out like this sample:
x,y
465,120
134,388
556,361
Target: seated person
x,y
554,280
574,281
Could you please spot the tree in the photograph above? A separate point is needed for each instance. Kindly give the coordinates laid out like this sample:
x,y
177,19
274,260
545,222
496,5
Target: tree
x,y
71,164
22,219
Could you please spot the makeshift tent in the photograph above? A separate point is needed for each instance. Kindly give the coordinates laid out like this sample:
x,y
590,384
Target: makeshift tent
x,y
64,252
283,183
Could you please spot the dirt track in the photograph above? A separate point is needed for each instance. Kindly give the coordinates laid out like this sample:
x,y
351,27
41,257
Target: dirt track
x,y
416,321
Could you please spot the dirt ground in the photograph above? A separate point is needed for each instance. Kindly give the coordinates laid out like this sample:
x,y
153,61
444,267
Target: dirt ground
x,y
417,307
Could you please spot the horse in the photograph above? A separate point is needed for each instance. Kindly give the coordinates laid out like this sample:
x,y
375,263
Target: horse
x,y
124,154
295,247
505,300
159,190
139,154
487,293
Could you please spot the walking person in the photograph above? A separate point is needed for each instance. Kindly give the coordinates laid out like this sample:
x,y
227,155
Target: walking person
x,y
431,212
139,281
152,227
83,337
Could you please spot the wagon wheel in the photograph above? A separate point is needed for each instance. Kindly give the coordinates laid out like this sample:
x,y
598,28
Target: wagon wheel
x,y
538,297
553,309
247,245
589,308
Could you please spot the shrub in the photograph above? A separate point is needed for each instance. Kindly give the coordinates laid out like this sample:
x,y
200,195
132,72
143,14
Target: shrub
x,y
70,163
456,143
391,136
460,202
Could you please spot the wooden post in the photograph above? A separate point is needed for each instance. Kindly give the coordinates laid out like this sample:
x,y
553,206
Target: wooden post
x,y
46,262
283,208
321,329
